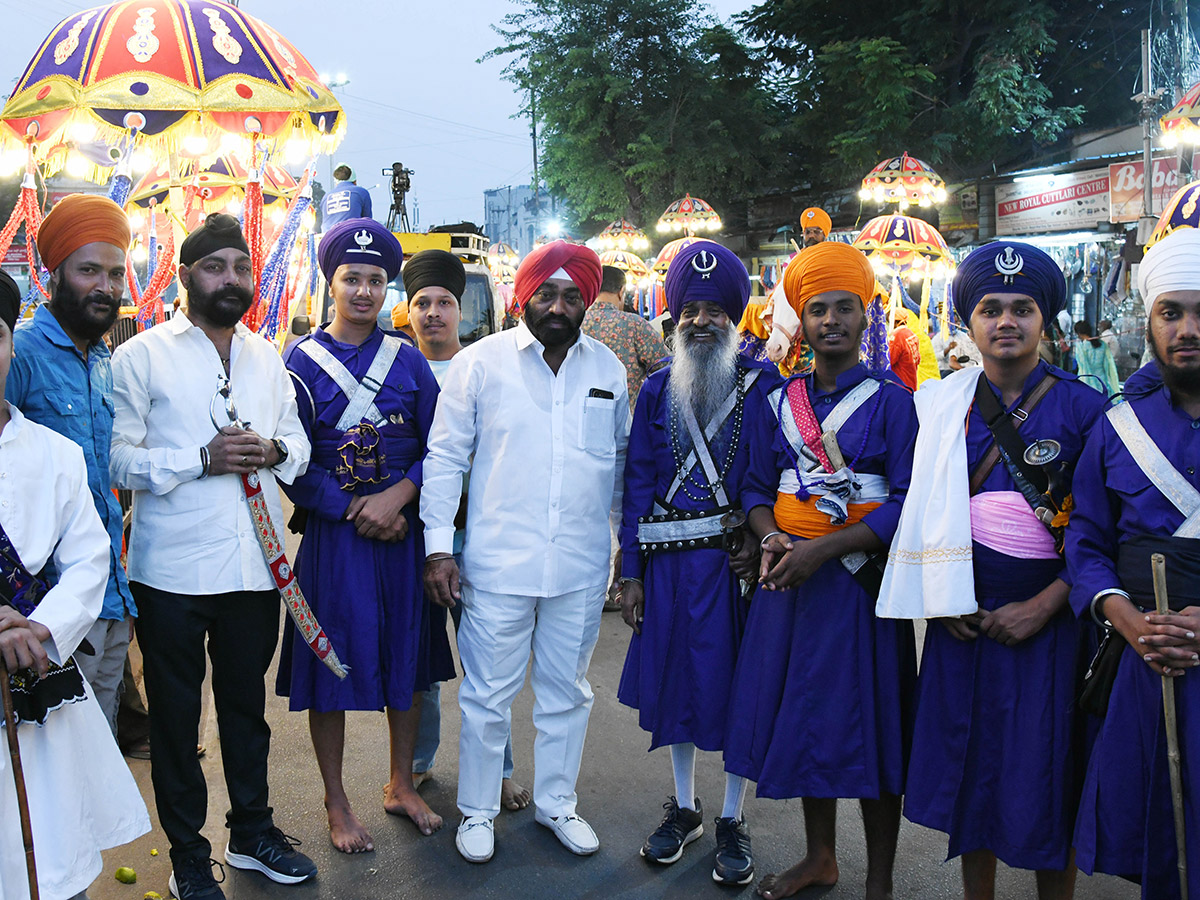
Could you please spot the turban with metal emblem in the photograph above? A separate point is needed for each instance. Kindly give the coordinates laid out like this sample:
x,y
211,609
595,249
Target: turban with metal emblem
x,y
1172,264
705,270
77,220
576,262
1009,267
359,242
814,215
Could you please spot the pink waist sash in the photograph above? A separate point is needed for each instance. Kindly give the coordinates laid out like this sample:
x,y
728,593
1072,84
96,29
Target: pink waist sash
x,y
1003,521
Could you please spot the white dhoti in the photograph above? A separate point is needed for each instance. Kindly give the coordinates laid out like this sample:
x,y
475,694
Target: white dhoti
x,y
495,638
82,799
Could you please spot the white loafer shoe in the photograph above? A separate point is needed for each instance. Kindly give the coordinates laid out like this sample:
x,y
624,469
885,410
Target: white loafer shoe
x,y
574,833
475,840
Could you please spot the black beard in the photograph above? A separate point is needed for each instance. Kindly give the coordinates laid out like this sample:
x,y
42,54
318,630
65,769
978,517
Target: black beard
x,y
1186,381
73,314
224,307
537,324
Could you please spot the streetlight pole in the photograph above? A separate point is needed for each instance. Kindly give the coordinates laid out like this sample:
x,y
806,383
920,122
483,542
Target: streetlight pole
x,y
333,82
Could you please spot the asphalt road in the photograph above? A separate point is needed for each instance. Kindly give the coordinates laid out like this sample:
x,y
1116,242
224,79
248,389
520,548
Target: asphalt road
x,y
621,789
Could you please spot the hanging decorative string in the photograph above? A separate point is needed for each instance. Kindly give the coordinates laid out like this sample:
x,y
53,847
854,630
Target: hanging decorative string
x,y
29,212
273,281
158,276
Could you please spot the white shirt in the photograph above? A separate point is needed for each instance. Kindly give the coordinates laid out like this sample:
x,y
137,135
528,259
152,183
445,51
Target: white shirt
x,y
193,535
548,467
47,511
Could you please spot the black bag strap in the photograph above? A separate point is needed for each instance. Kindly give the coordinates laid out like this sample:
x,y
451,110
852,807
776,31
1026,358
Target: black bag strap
x,y
1005,434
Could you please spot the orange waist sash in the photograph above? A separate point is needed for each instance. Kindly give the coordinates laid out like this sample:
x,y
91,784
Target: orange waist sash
x,y
801,518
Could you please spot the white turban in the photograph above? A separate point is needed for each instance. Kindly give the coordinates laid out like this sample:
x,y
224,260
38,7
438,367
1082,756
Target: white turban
x,y
1172,264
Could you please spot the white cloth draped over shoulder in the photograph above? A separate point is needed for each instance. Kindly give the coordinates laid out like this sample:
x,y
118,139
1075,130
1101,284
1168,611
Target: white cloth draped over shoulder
x,y
929,569
82,797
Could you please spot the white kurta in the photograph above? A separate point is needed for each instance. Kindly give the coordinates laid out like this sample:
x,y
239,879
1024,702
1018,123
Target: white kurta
x,y
82,797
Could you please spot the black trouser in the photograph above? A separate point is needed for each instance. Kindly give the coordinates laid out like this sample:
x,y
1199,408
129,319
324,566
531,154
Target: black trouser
x,y
242,629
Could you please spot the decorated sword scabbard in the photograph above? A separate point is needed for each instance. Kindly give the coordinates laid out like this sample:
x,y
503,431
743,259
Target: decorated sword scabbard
x,y
272,547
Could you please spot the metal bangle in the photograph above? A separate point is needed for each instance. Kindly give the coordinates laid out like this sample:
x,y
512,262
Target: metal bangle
x,y
763,543
1104,623
625,578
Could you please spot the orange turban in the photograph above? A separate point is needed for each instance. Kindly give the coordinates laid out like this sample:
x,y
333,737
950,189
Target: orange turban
x,y
77,220
828,266
814,215
581,264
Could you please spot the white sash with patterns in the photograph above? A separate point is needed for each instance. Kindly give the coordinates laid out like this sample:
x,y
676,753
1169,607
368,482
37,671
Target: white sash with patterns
x,y
1155,465
361,394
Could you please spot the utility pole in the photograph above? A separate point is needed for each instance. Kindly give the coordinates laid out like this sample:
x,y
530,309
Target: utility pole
x,y
1183,43
1148,99
537,190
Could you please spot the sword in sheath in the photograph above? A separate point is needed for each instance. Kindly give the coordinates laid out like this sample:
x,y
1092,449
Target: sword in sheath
x,y
272,546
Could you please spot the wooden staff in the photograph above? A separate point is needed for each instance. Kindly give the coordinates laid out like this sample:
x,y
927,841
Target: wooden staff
x,y
14,755
1159,566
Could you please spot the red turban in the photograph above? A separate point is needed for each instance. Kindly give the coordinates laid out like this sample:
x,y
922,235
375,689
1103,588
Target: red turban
x,y
581,264
77,220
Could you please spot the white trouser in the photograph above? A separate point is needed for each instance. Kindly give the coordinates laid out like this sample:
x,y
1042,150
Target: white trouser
x,y
495,638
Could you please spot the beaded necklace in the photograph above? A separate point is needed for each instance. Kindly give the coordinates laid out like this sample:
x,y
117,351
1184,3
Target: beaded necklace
x,y
723,470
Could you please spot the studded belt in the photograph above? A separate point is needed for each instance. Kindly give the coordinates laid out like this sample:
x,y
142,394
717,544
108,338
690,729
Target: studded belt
x,y
675,530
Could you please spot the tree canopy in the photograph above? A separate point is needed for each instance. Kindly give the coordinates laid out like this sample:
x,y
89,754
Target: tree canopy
x,y
962,84
640,101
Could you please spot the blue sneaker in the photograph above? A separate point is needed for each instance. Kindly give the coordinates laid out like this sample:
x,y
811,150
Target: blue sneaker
x,y
274,854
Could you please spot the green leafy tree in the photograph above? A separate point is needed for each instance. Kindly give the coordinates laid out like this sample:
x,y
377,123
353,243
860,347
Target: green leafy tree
x,y
962,84
640,101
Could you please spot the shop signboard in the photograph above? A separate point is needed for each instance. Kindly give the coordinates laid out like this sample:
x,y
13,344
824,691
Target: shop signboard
x,y
960,212
15,256
1126,181
1072,201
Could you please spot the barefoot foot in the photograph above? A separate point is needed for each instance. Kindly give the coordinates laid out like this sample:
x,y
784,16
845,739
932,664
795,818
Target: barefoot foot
x,y
403,800
806,873
512,796
419,778
345,831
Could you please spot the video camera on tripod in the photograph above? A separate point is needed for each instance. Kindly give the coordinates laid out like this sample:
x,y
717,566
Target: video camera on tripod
x,y
401,185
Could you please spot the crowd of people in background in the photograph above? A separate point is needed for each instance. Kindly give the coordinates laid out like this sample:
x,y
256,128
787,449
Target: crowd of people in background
x,y
771,507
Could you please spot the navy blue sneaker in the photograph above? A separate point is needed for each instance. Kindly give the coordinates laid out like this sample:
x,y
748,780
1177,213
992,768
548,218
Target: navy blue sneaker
x,y
274,854
733,863
192,879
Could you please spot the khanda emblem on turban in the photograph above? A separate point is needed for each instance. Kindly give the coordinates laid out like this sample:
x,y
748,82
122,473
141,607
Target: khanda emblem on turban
x,y
704,263
365,239
1009,264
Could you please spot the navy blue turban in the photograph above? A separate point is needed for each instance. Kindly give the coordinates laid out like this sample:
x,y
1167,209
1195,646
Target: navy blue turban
x,y
1009,267
362,242
707,271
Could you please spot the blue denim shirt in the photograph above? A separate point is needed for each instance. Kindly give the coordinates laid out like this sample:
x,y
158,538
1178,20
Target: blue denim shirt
x,y
54,385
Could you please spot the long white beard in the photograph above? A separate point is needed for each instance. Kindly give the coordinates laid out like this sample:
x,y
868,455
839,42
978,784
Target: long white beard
x,y
702,376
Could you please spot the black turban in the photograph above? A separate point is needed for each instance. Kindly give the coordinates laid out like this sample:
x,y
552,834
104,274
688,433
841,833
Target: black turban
x,y
219,231
10,300
434,268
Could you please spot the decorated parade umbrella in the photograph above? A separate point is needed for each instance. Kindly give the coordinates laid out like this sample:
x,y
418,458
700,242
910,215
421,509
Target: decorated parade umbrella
x,y
903,180
1182,123
194,75
1181,211
903,243
501,254
689,215
631,264
623,235
668,253
217,187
